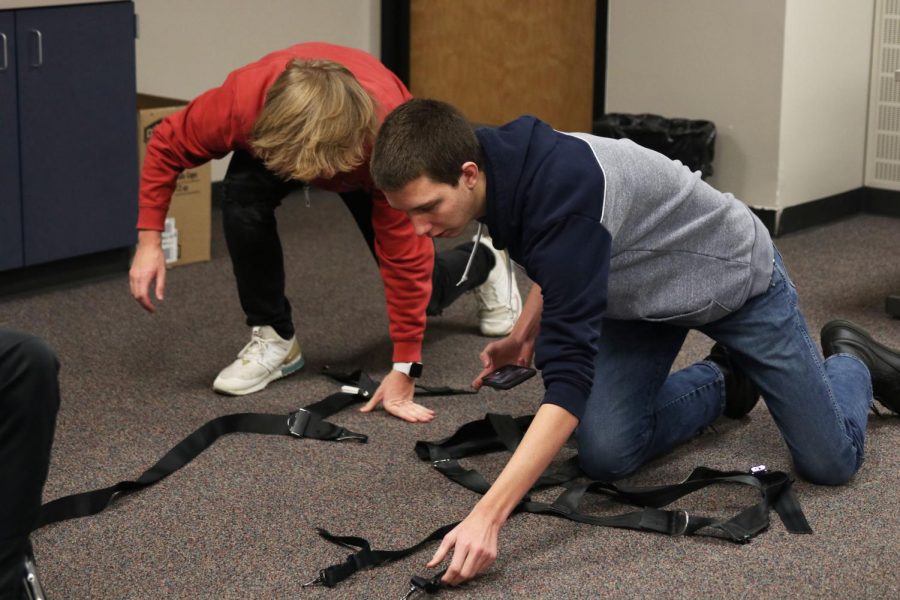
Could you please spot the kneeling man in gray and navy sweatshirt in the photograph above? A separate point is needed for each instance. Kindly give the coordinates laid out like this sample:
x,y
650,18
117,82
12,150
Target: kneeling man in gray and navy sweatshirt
x,y
630,251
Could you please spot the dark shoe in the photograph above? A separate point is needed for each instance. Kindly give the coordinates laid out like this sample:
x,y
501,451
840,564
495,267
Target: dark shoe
x,y
741,395
843,337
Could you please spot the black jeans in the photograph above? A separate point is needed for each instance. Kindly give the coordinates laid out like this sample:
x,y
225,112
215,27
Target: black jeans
x,y
29,400
252,193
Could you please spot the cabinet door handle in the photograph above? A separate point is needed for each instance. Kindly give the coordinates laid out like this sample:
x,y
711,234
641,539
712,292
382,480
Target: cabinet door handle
x,y
39,38
5,52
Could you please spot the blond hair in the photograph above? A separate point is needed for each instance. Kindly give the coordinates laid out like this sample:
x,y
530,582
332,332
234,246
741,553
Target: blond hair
x,y
317,121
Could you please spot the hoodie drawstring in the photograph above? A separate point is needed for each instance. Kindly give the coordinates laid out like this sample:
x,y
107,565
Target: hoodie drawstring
x,y
465,274
509,282
509,276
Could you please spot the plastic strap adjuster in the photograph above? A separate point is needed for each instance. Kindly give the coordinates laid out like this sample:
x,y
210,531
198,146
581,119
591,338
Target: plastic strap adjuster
x,y
298,421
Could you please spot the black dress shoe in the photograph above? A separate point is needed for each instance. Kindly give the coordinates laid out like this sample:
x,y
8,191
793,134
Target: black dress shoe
x,y
741,395
843,337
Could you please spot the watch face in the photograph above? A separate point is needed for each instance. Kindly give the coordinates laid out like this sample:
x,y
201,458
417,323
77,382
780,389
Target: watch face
x,y
415,370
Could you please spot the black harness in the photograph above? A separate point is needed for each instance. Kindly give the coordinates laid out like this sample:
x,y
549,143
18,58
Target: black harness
x,y
503,432
491,434
308,422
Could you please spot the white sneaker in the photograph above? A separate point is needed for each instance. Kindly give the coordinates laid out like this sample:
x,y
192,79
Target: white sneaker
x,y
266,358
499,302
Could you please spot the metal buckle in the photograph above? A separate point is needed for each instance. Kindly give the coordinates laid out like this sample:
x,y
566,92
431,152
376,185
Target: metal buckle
x,y
298,421
356,391
687,519
318,580
425,585
413,590
352,436
31,583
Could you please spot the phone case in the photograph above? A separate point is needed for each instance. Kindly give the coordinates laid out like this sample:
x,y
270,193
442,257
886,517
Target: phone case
x,y
508,377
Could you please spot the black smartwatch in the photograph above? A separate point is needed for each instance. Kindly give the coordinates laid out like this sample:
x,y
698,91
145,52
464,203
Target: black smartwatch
x,y
413,369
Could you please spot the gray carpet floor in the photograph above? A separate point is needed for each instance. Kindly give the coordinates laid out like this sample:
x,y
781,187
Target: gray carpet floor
x,y
239,522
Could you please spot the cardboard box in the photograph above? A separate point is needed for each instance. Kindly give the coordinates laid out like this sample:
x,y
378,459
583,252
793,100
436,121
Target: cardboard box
x,y
186,238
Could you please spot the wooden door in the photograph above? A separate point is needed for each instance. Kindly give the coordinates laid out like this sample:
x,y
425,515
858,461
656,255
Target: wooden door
x,y
498,59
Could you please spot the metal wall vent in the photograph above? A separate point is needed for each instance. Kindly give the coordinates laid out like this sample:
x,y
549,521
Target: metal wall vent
x,y
883,136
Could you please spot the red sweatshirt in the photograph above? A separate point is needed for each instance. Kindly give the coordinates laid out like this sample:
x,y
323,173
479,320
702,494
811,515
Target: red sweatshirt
x,y
221,119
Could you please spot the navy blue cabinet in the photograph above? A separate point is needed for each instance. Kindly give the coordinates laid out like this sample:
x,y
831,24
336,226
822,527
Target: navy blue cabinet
x,y
10,197
77,149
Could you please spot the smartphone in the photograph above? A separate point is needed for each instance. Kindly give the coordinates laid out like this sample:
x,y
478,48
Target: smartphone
x,y
508,377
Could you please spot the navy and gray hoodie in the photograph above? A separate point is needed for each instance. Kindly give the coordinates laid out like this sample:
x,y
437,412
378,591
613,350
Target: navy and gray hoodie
x,y
610,229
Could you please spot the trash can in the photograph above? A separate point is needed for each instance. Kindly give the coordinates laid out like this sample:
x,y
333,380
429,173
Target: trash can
x,y
690,141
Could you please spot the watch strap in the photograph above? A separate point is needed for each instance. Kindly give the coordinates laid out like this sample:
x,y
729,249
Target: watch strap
x,y
412,369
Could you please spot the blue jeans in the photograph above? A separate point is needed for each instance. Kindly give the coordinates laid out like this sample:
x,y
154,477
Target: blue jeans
x,y
638,410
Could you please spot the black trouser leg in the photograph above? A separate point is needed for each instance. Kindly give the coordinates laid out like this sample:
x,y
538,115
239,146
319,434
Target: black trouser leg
x,y
252,193
29,400
360,206
449,267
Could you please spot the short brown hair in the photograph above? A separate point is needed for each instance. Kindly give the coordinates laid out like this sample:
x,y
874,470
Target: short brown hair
x,y
423,137
317,121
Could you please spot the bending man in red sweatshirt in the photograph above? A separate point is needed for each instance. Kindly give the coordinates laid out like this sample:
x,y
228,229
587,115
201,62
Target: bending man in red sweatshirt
x,y
308,115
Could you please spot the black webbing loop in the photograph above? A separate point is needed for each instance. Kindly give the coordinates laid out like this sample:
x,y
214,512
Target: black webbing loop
x,y
365,557
93,502
508,431
307,422
476,437
498,432
468,478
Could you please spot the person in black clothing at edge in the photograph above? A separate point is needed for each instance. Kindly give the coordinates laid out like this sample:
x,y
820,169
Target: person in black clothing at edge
x,y
629,251
29,401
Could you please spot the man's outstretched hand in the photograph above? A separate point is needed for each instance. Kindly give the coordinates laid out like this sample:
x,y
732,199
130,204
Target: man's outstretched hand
x,y
474,547
395,394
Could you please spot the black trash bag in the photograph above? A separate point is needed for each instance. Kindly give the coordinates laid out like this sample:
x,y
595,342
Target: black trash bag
x,y
690,141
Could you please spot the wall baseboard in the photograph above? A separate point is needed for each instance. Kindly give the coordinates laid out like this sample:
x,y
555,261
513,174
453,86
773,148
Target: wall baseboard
x,y
67,273
793,218
830,209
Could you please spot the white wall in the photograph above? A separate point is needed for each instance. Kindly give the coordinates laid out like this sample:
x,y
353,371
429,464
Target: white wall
x,y
706,59
825,92
786,82
187,47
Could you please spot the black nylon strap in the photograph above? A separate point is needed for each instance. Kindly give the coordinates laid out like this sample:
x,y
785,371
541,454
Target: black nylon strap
x,y
497,432
93,502
775,488
307,422
475,437
365,557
